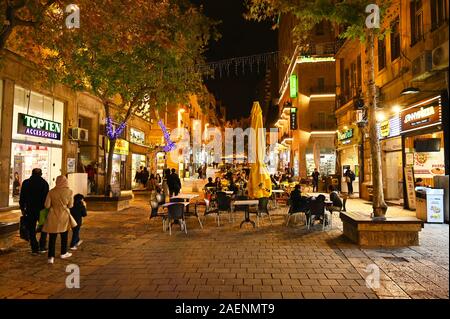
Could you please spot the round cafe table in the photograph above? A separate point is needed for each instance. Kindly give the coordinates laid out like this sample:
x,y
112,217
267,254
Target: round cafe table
x,y
247,203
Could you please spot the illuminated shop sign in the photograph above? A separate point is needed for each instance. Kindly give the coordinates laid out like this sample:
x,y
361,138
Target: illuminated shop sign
x,y
346,135
35,126
416,118
137,137
293,81
293,118
389,128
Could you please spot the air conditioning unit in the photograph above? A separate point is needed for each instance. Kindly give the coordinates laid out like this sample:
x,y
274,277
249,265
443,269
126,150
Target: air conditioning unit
x,y
440,57
79,134
421,66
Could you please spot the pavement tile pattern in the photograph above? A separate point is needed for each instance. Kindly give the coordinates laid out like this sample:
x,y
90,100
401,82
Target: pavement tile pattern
x,y
126,255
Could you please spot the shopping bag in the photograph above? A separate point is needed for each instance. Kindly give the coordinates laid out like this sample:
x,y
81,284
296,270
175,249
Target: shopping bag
x,y
42,217
23,228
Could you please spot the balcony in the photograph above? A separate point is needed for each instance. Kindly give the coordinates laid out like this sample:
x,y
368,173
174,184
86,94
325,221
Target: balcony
x,y
324,48
322,90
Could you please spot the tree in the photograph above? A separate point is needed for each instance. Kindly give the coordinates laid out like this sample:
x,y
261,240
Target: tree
x,y
352,15
135,55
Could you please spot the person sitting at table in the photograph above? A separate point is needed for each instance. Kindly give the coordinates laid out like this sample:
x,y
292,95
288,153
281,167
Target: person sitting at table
x,y
218,183
233,187
210,183
274,182
337,202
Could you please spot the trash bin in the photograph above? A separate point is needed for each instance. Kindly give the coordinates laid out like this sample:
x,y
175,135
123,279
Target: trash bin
x,y
430,204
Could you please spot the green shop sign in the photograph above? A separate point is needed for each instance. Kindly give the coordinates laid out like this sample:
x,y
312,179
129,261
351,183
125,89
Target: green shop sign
x,y
293,83
346,135
35,126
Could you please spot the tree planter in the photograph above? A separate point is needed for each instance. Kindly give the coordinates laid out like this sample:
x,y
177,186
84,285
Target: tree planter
x,y
103,203
8,231
391,232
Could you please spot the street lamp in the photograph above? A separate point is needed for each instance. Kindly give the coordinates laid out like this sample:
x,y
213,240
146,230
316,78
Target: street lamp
x,y
409,90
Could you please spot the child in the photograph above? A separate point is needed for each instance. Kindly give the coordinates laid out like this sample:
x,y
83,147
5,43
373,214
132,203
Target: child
x,y
78,211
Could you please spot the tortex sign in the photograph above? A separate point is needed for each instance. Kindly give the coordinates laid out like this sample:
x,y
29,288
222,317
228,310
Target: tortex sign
x,y
35,126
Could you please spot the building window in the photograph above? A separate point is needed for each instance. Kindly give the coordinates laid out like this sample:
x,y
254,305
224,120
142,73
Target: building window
x,y
353,78
347,83
381,54
395,39
438,13
416,12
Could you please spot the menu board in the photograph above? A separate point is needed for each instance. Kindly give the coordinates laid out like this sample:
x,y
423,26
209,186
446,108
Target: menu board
x,y
429,164
410,188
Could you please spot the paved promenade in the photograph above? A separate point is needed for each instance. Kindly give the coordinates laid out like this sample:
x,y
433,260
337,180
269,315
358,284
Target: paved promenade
x,y
124,255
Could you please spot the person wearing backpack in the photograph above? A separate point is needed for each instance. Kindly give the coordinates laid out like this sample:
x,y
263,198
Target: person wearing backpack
x,y
349,178
78,211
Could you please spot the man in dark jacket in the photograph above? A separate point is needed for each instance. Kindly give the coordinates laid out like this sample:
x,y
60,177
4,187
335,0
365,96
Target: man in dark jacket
x,y
315,178
78,211
174,183
32,199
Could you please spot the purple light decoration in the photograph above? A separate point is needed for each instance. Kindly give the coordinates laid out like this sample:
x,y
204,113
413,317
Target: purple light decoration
x,y
110,132
170,144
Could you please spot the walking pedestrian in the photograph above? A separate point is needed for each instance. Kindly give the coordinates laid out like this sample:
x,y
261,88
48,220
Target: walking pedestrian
x,y
174,183
59,220
32,201
315,178
349,178
78,211
165,183
144,177
138,176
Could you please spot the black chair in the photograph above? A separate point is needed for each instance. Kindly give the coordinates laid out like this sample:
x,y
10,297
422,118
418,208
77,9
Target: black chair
x,y
176,213
316,211
298,207
223,205
263,208
208,210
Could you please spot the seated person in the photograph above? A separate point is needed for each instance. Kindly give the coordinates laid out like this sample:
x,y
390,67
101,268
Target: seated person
x,y
233,187
334,197
210,183
298,202
218,183
274,181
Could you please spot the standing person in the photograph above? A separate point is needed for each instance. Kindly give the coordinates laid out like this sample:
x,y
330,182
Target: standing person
x,y
165,182
204,171
16,185
78,211
144,177
158,179
174,183
90,170
138,176
32,201
349,178
315,178
59,201
199,171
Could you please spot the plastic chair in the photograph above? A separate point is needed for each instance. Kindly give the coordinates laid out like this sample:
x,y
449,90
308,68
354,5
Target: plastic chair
x,y
223,205
316,209
263,208
176,212
209,210
298,207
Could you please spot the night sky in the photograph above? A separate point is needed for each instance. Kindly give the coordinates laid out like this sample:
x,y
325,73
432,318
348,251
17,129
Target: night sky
x,y
239,37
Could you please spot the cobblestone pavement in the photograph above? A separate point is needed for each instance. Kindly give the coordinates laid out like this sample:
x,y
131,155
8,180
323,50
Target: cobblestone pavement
x,y
124,255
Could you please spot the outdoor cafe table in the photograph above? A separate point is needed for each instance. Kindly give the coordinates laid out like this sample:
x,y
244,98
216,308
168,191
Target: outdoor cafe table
x,y
186,197
229,192
247,202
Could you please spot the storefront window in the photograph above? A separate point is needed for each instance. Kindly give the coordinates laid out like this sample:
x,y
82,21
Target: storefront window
x,y
37,138
137,161
137,137
427,154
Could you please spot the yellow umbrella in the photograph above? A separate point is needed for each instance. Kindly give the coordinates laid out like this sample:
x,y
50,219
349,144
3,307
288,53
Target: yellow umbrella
x,y
259,183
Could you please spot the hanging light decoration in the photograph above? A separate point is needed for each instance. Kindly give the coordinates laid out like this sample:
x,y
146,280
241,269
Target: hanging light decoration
x,y
110,132
170,144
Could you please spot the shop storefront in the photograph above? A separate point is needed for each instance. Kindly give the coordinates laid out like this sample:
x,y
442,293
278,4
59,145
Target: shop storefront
x,y
138,157
392,162
348,140
423,140
118,175
37,137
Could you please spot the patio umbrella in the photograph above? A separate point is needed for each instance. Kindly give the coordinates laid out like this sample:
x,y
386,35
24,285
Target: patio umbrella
x,y
259,183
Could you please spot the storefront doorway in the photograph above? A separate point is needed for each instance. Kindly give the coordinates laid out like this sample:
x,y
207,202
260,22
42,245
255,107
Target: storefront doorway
x,y
137,161
394,175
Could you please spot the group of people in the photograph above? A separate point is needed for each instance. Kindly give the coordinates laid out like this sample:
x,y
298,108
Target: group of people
x,y
65,213
142,176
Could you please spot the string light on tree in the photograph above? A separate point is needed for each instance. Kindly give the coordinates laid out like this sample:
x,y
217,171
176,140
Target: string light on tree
x,y
170,144
110,132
